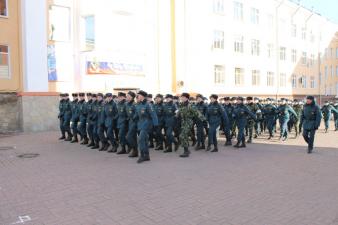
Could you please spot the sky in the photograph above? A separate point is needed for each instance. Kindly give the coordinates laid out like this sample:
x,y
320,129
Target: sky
x,y
327,8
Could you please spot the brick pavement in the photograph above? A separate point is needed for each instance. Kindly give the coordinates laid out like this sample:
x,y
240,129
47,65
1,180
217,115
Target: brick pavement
x,y
269,183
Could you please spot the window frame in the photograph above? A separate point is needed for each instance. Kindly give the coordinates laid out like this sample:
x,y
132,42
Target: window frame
x,y
9,62
238,16
7,11
270,76
257,75
219,36
241,76
216,66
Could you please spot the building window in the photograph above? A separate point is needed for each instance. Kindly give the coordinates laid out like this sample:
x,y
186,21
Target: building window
x,y
337,71
294,81
88,33
282,53
219,6
326,72
59,23
239,76
303,81
293,30
270,50
3,8
303,33
4,62
270,79
331,52
238,11
325,54
238,44
219,72
254,16
312,37
336,53
219,39
312,82
270,21
304,58
312,59
336,88
256,78
332,71
282,80
294,55
255,47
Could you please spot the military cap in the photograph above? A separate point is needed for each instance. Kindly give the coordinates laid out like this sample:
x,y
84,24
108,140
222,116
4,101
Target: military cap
x,y
89,94
94,95
214,96
256,99
283,99
100,94
159,96
169,96
249,98
326,101
122,94
81,94
226,99
295,100
205,98
149,96
176,97
132,94
143,93
185,95
61,94
192,98
109,95
114,96
199,96
240,98
66,95
310,97
75,95
233,98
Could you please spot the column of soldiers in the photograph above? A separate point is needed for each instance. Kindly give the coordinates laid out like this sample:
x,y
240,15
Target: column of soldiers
x,y
131,123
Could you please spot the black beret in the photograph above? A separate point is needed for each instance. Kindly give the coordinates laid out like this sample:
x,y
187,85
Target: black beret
x,y
94,95
185,95
240,98
169,96
143,93
214,96
100,94
199,96
159,96
249,98
74,94
89,94
122,94
132,94
109,95
81,94
149,96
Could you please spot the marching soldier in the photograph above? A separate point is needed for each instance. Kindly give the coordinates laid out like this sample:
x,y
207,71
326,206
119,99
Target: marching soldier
x,y
335,116
100,123
132,125
61,116
229,108
110,114
298,109
327,111
159,110
284,112
95,116
67,117
202,108
251,122
151,132
82,105
90,119
170,109
122,122
146,118
75,117
310,118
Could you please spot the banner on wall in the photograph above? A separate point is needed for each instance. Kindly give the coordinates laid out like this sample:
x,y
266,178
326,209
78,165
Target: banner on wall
x,y
51,61
113,68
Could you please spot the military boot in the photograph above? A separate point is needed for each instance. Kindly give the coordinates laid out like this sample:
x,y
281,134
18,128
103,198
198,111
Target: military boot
x,y
186,153
133,153
215,149
122,151
169,149
63,136
208,148
198,147
309,150
236,145
249,140
159,147
144,157
70,136
228,143
91,144
177,145
96,146
243,145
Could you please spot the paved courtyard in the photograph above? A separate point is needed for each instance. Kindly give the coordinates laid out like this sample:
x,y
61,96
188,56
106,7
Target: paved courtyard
x,y
269,183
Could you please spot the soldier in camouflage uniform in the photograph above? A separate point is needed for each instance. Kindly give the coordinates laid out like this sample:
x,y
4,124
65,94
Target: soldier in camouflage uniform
x,y
187,114
298,108
61,116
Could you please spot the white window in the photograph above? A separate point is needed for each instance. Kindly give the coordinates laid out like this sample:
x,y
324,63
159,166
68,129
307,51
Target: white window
x,y
59,23
304,58
219,6
239,76
312,82
270,50
270,21
312,59
270,79
256,78
238,44
336,88
293,30
255,47
336,53
326,72
219,39
332,71
294,81
303,33
238,11
312,37
3,8
282,53
88,33
337,71
303,81
331,52
219,72
254,16
282,79
294,55
4,62
325,54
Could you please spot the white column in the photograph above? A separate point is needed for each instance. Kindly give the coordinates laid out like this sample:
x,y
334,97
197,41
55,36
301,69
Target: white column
x,y
34,45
